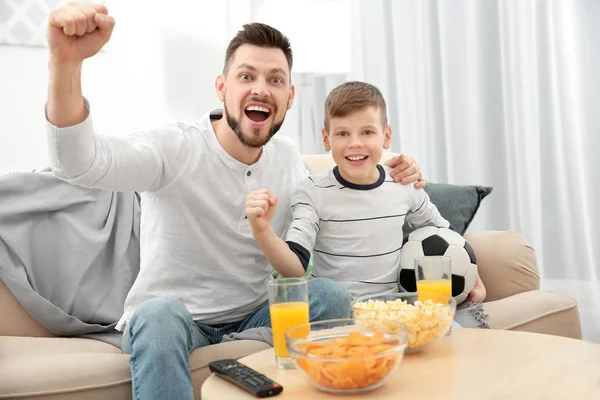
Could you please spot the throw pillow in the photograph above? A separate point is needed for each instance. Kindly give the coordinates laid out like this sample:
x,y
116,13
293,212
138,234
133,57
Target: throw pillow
x,y
458,204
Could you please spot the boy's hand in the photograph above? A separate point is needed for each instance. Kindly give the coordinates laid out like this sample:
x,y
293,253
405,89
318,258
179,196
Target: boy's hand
x,y
478,293
260,207
406,170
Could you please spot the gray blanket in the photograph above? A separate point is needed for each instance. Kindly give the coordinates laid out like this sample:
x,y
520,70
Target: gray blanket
x,y
68,254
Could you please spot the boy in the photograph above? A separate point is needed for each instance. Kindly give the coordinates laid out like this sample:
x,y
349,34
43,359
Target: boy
x,y
348,216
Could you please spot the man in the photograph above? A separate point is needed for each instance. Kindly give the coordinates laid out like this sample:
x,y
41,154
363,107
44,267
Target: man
x,y
202,275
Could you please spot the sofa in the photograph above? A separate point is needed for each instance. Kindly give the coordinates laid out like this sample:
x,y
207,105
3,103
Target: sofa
x,y
36,364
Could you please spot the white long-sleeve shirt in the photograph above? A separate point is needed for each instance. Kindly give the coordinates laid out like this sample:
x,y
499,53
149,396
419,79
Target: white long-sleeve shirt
x,y
355,231
196,244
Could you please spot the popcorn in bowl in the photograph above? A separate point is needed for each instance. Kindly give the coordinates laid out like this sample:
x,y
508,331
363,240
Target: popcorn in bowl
x,y
427,321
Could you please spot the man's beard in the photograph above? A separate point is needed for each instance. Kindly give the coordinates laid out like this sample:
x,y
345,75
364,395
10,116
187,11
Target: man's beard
x,y
254,141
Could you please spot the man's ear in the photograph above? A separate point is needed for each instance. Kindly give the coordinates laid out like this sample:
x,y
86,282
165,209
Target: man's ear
x,y
326,143
291,96
387,137
220,87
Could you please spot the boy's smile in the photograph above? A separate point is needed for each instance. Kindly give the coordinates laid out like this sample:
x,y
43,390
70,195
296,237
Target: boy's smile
x,y
356,142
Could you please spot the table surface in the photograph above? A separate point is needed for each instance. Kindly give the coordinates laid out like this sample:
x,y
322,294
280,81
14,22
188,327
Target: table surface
x,y
469,364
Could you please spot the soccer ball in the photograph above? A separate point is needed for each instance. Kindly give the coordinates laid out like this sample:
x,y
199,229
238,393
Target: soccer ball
x,y
433,241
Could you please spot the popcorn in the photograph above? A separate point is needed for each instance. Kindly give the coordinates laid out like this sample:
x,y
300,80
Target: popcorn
x,y
426,321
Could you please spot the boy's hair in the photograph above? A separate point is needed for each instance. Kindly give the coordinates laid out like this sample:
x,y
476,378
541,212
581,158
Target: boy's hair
x,y
350,97
262,35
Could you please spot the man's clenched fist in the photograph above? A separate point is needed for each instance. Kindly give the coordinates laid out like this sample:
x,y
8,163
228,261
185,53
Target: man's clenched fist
x,y
78,31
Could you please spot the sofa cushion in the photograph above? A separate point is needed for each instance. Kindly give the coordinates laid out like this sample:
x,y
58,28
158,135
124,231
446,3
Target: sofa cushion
x,y
506,263
536,311
69,369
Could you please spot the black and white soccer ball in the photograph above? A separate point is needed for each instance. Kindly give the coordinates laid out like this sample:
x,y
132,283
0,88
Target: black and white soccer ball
x,y
433,241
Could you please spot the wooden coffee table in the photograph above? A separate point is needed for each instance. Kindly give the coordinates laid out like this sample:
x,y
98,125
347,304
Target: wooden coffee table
x,y
470,364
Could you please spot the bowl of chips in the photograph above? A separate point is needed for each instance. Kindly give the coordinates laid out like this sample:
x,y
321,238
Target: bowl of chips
x,y
427,316
343,356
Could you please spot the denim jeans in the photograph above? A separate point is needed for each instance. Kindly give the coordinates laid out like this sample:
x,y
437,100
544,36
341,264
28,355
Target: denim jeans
x,y
161,335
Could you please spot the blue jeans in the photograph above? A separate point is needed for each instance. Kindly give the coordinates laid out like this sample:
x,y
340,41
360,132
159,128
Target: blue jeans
x,y
161,335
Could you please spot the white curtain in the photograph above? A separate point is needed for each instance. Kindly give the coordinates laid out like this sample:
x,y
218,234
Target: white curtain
x,y
504,93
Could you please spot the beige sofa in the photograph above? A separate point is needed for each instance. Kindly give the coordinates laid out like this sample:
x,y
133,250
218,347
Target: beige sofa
x,y
36,365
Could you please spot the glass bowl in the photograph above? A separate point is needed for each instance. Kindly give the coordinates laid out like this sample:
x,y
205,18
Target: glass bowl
x,y
427,321
343,356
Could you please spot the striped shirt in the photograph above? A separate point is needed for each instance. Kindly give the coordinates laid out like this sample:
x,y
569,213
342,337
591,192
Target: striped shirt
x,y
355,231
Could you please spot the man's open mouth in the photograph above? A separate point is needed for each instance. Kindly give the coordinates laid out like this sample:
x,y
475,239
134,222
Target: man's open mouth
x,y
257,113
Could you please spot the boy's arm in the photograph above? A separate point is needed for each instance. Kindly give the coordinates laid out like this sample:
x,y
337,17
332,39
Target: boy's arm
x,y
141,162
279,254
289,257
260,207
423,212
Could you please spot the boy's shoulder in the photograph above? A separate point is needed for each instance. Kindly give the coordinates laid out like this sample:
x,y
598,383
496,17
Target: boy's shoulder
x,y
324,179
396,186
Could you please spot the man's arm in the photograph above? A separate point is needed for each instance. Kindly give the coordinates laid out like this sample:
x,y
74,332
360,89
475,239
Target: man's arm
x,y
406,170
145,161
75,32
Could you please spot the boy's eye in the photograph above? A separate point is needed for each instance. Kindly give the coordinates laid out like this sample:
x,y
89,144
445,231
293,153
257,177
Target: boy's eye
x,y
367,132
342,133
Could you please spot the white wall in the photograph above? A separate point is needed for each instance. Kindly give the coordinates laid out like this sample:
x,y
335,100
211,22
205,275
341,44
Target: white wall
x,y
160,65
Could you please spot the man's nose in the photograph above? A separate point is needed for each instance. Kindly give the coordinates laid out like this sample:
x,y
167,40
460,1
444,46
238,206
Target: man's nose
x,y
260,89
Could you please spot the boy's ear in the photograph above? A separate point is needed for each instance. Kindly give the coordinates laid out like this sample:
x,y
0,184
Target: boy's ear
x,y
387,137
325,140
220,87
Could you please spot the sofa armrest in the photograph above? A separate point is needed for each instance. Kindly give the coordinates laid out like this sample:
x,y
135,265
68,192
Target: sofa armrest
x,y
15,320
536,311
506,263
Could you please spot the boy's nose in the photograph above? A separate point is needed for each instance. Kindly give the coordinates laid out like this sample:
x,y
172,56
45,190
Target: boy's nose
x,y
356,142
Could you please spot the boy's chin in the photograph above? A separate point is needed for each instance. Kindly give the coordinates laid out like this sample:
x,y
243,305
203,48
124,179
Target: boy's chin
x,y
362,177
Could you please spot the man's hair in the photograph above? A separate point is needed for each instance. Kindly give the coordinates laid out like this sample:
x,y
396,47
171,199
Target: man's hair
x,y
262,35
350,97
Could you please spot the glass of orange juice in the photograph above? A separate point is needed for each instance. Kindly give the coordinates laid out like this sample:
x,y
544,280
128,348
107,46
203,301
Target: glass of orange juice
x,y
434,277
288,305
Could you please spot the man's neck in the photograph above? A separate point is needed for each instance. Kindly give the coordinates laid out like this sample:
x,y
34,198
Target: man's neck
x,y
232,145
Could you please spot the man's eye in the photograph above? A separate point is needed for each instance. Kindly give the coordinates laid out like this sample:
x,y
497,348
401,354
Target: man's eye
x,y
277,80
245,77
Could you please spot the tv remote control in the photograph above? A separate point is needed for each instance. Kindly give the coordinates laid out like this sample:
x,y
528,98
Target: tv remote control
x,y
245,377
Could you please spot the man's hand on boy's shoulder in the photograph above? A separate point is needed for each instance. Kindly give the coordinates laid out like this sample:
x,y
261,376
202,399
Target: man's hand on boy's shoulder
x,y
406,170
